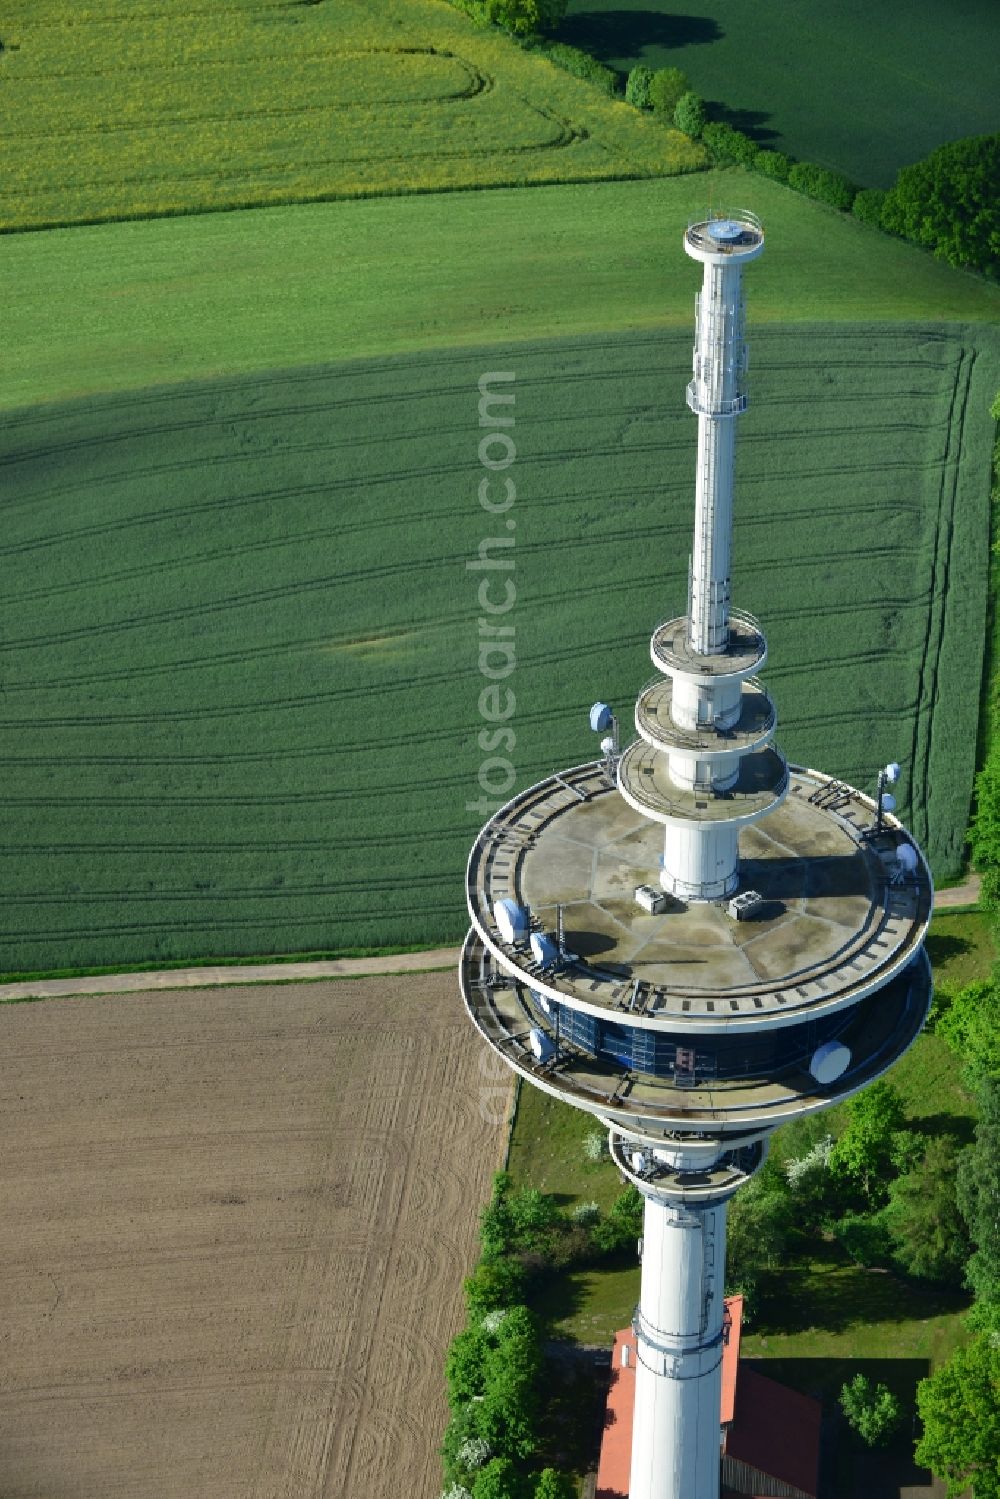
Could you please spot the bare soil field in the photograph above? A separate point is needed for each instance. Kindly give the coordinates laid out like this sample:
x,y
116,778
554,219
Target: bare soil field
x,y
234,1231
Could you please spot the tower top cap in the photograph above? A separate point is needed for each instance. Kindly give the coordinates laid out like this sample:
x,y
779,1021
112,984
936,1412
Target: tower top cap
x,y
724,229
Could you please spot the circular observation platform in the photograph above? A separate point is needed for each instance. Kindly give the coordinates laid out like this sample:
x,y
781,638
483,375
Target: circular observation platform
x,y
841,920
644,782
754,727
672,653
684,1187
725,236
659,1110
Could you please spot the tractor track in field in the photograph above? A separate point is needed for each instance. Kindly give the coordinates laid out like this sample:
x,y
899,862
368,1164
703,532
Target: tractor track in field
x,y
923,724
179,587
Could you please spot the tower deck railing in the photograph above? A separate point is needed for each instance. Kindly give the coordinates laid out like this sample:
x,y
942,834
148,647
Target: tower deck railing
x,y
754,230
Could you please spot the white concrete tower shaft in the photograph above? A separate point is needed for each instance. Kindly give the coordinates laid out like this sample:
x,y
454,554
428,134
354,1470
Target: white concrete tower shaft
x,y
679,1322
678,1377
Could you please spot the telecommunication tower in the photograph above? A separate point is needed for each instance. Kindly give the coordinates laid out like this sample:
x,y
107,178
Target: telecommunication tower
x,y
693,940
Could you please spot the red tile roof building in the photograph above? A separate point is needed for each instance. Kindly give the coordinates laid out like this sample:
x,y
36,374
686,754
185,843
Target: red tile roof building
x,y
768,1434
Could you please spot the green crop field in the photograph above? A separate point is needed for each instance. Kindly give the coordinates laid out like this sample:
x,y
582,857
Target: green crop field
x,y
239,677
239,664
862,88
110,112
117,307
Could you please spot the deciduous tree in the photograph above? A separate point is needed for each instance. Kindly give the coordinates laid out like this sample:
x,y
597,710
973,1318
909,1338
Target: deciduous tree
x,y
689,115
928,1232
950,202
979,1194
665,91
959,1406
863,1154
522,17
872,1410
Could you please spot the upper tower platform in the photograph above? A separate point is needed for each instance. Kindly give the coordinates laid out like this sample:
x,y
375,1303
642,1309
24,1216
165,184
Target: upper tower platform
x,y
724,238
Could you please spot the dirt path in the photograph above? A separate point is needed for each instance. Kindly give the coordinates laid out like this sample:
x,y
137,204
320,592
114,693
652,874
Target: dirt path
x,y
258,973
966,894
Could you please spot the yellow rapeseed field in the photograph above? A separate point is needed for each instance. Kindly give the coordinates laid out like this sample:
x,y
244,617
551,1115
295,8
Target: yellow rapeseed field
x,y
138,107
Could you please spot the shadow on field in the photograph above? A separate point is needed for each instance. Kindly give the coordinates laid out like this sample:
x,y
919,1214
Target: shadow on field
x,y
626,33
941,948
847,1467
961,1127
556,1297
834,1295
753,122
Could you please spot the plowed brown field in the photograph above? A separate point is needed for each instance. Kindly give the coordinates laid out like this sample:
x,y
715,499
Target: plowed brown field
x,y
235,1224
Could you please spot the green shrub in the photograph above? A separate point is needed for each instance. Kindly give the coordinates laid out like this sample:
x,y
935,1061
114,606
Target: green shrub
x,y
761,1218
466,1366
553,1485
499,1480
868,204
970,1027
622,1227
689,115
496,1230
494,1284
825,186
872,1410
863,1156
773,164
665,91
581,65
729,145
978,1192
637,86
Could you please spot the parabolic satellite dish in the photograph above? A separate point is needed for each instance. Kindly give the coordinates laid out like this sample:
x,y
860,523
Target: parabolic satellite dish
x,y
829,1061
600,718
511,920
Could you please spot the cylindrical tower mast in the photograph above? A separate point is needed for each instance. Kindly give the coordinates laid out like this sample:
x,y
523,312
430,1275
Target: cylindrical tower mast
x,y
717,395
702,767
691,1038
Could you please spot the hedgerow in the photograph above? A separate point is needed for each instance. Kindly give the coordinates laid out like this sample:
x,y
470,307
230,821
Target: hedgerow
x,y
868,205
730,146
580,64
984,831
823,185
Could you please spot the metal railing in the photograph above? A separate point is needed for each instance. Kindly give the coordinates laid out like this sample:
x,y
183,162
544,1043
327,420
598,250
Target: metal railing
x,y
744,622
679,802
750,224
700,737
